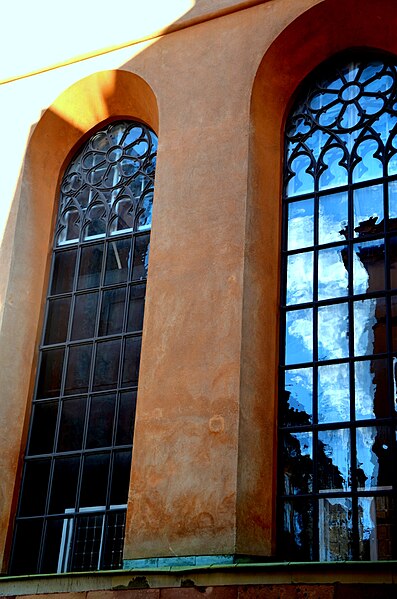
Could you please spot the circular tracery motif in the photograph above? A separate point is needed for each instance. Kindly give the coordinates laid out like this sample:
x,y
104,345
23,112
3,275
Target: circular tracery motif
x,y
350,98
117,162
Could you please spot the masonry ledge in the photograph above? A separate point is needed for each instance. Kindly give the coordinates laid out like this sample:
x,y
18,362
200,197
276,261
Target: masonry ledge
x,y
240,574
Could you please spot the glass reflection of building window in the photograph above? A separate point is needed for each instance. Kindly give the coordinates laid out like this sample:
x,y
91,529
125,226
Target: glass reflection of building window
x,y
339,315
72,508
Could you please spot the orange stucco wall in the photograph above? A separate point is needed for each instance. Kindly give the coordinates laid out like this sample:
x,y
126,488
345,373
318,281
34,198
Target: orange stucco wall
x,y
203,473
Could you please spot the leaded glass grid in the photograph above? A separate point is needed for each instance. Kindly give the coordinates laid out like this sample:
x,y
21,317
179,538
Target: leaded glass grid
x,y
72,506
337,417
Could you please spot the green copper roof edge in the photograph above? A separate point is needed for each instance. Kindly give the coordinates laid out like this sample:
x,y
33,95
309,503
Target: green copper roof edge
x,y
210,567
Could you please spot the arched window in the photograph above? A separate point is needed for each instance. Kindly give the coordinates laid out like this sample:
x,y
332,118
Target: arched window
x,y
338,380
72,506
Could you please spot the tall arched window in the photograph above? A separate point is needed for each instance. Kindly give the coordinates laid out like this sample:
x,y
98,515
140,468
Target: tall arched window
x,y
338,378
72,506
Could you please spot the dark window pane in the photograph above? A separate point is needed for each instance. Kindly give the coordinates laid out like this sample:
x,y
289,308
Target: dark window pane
x,y
121,477
78,371
369,266
107,365
126,419
50,373
57,320
43,427
393,258
84,316
136,308
100,424
297,541
141,257
377,528
298,463
333,456
34,488
370,326
118,261
64,484
296,399
90,266
335,529
63,274
112,312
52,544
72,424
375,467
26,547
131,361
95,480
371,389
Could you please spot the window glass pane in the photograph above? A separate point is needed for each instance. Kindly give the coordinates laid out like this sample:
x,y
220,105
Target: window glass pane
x,y
300,224
131,361
335,529
90,266
136,308
369,167
370,327
52,544
26,547
393,205
300,278
107,365
34,489
121,477
57,320
368,210
100,424
141,257
298,531
95,480
302,180
49,383
114,540
126,418
335,173
333,332
371,389
78,370
118,261
112,312
87,539
63,273
333,393
299,336
296,401
64,484
298,463
84,316
375,468
72,424
332,273
393,261
43,427
376,528
369,266
333,218
333,456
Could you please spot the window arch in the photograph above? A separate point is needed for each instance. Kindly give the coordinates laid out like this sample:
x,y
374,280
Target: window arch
x,y
339,315
72,506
